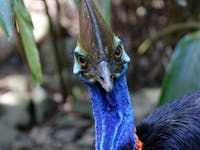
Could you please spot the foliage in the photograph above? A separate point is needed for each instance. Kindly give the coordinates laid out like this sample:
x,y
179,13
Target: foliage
x,y
192,23
14,11
182,2
26,30
104,6
183,74
6,16
183,71
16,8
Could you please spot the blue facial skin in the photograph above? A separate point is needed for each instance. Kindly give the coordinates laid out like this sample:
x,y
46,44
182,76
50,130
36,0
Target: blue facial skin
x,y
113,112
77,68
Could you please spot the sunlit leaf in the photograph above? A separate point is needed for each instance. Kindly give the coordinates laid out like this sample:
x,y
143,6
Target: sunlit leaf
x,y
6,16
182,2
26,31
183,75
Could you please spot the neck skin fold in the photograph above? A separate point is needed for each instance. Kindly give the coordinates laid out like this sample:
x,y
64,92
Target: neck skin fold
x,y
113,114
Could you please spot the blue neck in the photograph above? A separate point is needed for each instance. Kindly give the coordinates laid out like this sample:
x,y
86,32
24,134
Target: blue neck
x,y
113,114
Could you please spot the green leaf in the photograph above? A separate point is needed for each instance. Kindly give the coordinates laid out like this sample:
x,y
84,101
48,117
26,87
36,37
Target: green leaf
x,y
104,6
183,75
76,3
23,12
26,32
6,16
3,26
105,9
182,2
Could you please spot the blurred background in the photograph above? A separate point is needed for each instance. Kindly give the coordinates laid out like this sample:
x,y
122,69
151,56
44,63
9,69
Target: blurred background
x,y
57,114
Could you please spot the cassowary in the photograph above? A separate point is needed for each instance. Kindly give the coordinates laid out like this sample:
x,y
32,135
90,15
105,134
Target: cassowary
x,y
101,62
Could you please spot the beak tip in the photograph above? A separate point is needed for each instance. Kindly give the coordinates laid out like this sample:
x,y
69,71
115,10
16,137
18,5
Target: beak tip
x,y
108,88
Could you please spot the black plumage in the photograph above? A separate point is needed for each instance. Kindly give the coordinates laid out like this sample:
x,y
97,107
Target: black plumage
x,y
174,126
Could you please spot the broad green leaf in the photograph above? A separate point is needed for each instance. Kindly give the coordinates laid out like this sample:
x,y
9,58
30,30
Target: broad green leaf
x,y
26,32
6,16
183,75
182,2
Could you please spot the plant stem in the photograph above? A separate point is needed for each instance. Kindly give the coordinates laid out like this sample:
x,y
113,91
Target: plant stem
x,y
56,50
166,31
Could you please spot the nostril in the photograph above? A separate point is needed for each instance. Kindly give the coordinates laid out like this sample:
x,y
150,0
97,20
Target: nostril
x,y
112,76
101,78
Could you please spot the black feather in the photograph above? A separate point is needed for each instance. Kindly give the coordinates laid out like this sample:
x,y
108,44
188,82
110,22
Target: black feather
x,y
128,147
174,126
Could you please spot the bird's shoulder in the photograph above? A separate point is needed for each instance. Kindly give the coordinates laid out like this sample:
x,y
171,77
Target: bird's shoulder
x,y
174,126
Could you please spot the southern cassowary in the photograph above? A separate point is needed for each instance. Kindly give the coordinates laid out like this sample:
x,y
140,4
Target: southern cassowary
x,y
101,62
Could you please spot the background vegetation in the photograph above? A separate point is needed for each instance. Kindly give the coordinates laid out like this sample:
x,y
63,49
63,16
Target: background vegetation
x,y
43,106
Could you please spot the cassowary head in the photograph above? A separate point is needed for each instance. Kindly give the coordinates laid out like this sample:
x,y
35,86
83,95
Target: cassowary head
x,y
99,56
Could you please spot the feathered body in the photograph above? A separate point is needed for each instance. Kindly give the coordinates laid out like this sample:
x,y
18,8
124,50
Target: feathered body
x,y
174,126
100,61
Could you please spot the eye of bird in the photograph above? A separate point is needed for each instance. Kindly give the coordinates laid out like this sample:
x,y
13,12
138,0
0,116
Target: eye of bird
x,y
118,52
82,61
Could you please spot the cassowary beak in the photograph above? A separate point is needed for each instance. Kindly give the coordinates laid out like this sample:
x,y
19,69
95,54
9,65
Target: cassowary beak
x,y
105,78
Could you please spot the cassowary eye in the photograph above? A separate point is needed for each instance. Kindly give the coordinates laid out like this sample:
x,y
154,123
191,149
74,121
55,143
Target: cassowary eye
x,y
82,61
118,52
